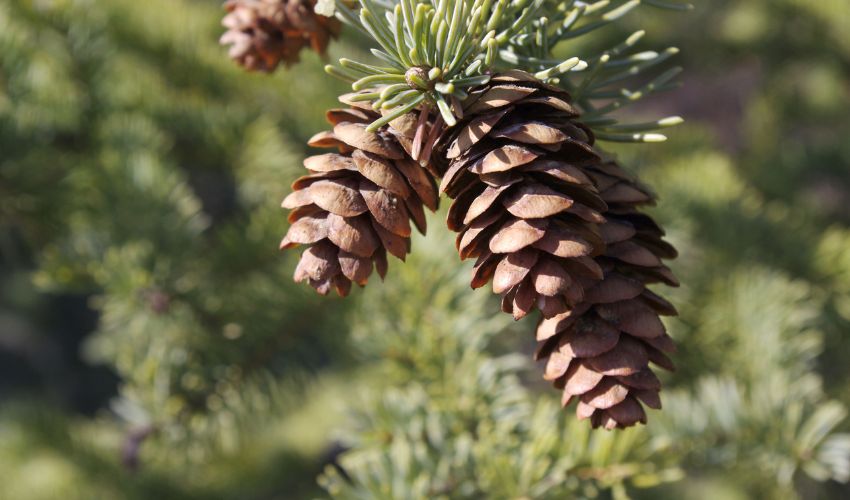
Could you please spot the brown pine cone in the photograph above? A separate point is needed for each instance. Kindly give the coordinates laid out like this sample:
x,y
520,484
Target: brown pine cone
x,y
599,352
262,33
524,203
356,205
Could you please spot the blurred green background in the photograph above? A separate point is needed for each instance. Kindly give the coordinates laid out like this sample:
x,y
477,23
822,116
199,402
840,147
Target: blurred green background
x,y
152,344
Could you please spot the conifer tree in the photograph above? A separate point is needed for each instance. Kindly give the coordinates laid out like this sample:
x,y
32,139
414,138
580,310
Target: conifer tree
x,y
140,171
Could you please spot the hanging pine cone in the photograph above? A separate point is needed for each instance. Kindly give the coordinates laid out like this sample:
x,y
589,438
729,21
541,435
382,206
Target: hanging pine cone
x,y
356,205
599,352
524,204
262,33
556,228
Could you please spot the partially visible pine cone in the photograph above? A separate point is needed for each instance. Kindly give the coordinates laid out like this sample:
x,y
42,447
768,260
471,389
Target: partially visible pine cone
x,y
356,205
262,33
524,204
599,352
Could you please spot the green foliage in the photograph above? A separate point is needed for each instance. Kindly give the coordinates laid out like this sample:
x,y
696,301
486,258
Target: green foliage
x,y
435,52
605,80
146,185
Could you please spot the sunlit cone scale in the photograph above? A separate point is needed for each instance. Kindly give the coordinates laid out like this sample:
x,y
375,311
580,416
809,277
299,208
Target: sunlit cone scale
x,y
263,33
599,353
524,204
357,204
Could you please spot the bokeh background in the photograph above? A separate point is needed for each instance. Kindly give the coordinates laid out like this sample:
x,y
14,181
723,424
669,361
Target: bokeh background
x,y
152,344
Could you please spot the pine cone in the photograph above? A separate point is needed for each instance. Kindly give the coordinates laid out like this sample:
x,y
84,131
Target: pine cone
x,y
356,205
524,204
599,352
262,33
557,228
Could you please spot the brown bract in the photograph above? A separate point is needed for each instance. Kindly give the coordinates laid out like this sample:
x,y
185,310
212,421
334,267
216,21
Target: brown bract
x,y
263,33
356,205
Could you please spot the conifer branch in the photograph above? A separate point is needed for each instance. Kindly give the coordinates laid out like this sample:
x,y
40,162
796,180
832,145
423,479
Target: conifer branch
x,y
597,87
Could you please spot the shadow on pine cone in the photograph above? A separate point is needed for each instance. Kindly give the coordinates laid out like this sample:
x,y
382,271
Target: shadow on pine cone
x,y
356,205
262,33
556,229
